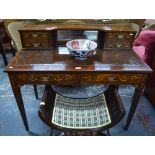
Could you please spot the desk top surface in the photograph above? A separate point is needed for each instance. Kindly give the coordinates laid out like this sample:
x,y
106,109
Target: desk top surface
x,y
61,61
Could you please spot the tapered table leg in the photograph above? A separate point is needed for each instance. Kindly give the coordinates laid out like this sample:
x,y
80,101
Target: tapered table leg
x,y
35,91
19,100
137,94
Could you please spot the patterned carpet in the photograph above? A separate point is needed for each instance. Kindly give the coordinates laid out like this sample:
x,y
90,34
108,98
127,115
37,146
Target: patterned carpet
x,y
11,124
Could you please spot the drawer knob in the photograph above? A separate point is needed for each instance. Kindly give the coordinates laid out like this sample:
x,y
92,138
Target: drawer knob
x,y
131,34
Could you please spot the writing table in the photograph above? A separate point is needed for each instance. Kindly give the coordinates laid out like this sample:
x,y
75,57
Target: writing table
x,y
56,67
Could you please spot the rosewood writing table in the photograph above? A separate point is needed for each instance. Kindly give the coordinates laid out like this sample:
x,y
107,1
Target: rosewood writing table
x,y
57,67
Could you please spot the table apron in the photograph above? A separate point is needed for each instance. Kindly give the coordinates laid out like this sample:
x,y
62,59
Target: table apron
x,y
76,79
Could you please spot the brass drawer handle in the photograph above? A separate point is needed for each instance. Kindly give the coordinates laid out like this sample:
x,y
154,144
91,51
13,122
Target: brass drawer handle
x,y
113,79
131,34
45,78
123,79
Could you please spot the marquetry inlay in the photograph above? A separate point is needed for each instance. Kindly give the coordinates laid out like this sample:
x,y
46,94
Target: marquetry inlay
x,y
112,78
47,78
35,39
119,35
78,78
120,40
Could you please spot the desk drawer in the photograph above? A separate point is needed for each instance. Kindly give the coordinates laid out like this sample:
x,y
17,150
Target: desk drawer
x,y
119,35
118,44
46,78
118,40
76,79
36,39
111,78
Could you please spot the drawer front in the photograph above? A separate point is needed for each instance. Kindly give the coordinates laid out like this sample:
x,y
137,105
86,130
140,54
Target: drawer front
x,y
35,39
41,78
118,44
74,79
111,78
119,36
118,40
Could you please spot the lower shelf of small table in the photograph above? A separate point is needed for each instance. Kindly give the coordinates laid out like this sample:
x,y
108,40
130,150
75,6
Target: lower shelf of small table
x,y
114,105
